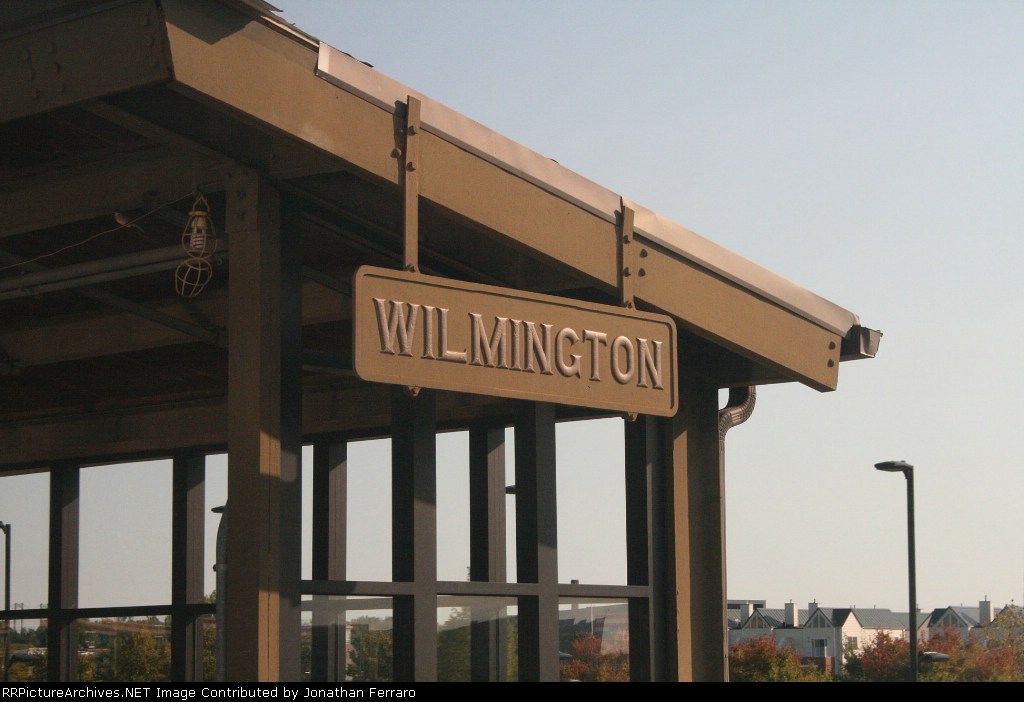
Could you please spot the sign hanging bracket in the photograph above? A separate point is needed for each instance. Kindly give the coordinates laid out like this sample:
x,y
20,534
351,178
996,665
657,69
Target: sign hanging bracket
x,y
411,186
628,257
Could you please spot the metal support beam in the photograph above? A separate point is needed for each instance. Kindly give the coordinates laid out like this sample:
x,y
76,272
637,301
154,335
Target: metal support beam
x,y
188,504
264,439
62,632
642,439
414,533
537,542
162,428
290,339
665,602
125,182
487,558
330,514
698,529
117,302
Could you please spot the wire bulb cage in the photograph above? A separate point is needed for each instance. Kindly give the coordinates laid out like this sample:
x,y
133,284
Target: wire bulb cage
x,y
199,240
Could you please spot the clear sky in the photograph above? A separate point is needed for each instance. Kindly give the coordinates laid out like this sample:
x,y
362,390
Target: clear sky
x,y
872,152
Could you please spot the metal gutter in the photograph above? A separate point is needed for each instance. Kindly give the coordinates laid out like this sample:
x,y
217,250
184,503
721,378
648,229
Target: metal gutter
x,y
355,77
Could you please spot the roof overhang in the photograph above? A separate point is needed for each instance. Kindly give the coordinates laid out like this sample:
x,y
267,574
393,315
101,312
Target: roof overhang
x,y
117,103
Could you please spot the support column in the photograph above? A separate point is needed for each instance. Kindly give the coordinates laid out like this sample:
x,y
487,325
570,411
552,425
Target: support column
x,y
187,544
698,530
264,438
330,510
414,533
537,542
62,631
487,558
642,466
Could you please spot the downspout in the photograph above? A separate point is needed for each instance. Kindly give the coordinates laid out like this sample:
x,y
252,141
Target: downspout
x,y
736,411
221,568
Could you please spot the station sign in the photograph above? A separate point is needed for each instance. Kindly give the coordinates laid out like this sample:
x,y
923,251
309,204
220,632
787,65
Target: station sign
x,y
423,331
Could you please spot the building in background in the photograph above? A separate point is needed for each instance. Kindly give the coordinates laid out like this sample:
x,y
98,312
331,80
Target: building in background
x,y
824,635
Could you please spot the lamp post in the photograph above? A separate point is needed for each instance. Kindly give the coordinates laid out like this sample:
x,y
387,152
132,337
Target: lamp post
x,y
908,473
6,528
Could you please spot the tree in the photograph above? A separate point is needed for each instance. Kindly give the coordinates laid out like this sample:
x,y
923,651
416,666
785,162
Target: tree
x,y
1006,635
125,651
453,647
372,646
990,654
28,668
977,659
588,664
761,659
886,659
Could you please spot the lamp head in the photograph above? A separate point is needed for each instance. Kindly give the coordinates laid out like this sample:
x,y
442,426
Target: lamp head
x,y
894,467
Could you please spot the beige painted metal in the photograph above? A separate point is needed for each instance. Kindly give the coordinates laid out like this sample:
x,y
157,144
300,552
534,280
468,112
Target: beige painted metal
x,y
167,427
438,333
698,536
559,230
628,255
255,428
357,78
98,54
126,182
411,186
58,341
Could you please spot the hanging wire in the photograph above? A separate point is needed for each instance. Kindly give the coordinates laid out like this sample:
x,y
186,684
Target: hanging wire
x,y
122,225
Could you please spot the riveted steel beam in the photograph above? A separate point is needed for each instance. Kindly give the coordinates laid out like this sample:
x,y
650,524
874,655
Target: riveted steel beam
x,y
102,53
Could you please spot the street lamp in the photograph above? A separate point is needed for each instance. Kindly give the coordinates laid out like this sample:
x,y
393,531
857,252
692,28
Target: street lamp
x,y
908,473
6,528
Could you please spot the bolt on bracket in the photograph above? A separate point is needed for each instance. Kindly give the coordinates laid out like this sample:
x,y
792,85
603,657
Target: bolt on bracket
x,y
411,186
628,256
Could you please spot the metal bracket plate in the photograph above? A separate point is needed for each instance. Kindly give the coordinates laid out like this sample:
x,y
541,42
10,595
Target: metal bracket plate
x,y
411,185
628,255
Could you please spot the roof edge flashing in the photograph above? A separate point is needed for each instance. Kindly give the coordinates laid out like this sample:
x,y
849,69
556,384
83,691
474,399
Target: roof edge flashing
x,y
742,271
362,80
358,78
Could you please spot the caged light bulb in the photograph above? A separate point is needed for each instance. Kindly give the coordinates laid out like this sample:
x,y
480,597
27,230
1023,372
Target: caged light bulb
x,y
199,240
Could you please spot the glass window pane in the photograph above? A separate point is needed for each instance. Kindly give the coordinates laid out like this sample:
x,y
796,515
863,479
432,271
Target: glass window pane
x,y
593,640
125,534
476,639
208,625
126,649
25,505
216,497
453,506
368,532
307,512
28,651
510,505
350,639
591,493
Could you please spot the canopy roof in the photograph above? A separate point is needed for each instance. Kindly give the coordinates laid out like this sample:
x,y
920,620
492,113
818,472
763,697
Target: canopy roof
x,y
131,106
